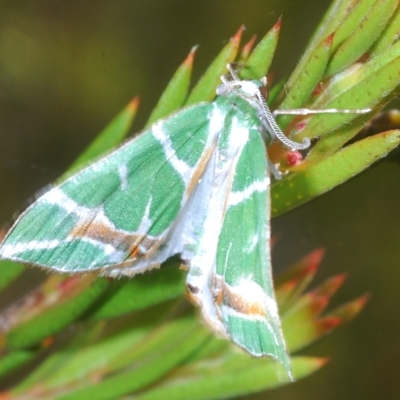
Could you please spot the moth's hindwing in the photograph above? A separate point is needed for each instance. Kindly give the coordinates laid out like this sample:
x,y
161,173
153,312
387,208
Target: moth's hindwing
x,y
243,281
230,276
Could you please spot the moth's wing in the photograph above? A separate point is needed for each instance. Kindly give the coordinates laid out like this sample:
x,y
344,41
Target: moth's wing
x,y
119,210
242,285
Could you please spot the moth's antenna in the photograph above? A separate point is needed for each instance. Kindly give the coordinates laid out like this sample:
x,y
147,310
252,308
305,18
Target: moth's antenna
x,y
308,111
276,131
231,80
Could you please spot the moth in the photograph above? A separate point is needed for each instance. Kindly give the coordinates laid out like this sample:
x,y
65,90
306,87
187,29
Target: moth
x,y
195,184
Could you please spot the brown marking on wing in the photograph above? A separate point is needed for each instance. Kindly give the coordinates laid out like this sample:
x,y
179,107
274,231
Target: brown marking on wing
x,y
199,169
135,245
133,252
148,246
218,289
232,298
142,246
105,234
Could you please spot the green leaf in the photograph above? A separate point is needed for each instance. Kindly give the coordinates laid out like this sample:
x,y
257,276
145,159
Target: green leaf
x,y
389,36
364,35
290,284
15,359
109,137
205,88
176,92
246,50
227,377
304,312
52,312
72,366
9,271
301,89
371,84
351,16
324,175
335,15
144,291
151,368
259,61
56,360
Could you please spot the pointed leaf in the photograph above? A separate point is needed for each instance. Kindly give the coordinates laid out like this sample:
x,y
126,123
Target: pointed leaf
x,y
9,271
176,92
170,355
247,49
81,337
259,61
362,38
322,176
205,88
15,359
348,311
335,15
109,137
299,322
302,88
32,322
72,367
389,36
229,377
144,291
290,284
376,86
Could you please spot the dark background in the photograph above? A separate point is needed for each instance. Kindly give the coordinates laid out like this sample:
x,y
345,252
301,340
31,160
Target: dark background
x,y
67,67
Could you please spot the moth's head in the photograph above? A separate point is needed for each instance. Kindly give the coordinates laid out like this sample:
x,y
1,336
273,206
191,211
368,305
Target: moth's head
x,y
246,88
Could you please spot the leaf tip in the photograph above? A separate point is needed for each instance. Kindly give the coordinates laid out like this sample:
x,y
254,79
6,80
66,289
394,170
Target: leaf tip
x,y
318,303
133,105
358,304
238,35
278,24
248,47
332,285
313,260
320,362
327,324
190,57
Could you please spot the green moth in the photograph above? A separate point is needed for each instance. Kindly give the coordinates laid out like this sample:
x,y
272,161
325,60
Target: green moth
x,y
195,184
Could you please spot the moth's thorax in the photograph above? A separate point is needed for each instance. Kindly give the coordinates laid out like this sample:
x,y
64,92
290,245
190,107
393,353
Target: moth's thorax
x,y
247,90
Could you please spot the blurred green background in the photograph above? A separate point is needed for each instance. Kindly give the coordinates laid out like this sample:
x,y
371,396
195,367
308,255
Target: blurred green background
x,y
67,67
